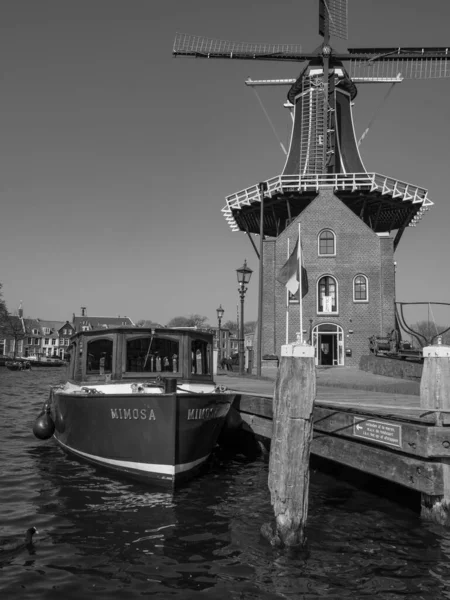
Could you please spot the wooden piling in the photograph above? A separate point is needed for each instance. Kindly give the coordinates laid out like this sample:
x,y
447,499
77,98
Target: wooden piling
x,y
293,403
435,395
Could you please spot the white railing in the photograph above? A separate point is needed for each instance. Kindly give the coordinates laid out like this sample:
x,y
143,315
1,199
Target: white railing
x,y
336,181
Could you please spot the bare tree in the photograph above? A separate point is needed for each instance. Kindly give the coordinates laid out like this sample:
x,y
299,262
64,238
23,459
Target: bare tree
x,y
231,326
147,323
191,321
429,331
11,326
249,327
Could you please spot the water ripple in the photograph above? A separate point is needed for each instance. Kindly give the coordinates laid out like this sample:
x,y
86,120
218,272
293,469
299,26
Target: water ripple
x,y
103,536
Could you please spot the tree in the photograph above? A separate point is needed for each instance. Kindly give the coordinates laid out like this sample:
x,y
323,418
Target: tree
x,y
249,327
147,323
232,326
191,321
2,302
11,326
430,330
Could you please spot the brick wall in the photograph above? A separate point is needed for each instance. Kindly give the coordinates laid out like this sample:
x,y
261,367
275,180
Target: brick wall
x,y
358,251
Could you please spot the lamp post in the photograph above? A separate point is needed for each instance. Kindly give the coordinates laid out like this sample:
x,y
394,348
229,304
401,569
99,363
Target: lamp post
x,y
243,276
219,312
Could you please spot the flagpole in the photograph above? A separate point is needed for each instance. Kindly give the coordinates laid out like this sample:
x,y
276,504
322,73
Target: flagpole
x,y
299,258
287,303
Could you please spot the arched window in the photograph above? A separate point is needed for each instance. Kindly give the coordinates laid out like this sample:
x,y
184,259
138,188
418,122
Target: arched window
x,y
360,289
327,295
327,243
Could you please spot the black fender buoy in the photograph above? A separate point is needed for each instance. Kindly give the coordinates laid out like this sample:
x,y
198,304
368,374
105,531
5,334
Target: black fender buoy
x,y
44,427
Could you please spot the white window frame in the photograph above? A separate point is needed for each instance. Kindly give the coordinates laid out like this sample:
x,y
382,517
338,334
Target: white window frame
x,y
318,242
320,312
367,288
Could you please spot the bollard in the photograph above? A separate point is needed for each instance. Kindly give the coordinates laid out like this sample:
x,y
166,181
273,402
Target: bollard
x,y
435,395
170,385
293,403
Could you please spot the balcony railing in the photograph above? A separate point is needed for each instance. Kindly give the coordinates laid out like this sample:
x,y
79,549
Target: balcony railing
x,y
335,181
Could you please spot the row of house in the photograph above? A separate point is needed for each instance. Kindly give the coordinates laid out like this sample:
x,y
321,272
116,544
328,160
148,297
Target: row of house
x,y
23,337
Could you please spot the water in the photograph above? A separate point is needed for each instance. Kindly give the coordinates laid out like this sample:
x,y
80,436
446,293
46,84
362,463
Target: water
x,y
103,537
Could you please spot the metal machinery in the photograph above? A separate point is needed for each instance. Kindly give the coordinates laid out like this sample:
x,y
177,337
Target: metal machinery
x,y
393,346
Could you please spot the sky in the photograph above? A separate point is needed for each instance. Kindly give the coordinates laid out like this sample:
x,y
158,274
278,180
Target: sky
x,y
116,157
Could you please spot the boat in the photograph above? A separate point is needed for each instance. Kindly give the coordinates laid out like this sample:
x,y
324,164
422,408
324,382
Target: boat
x,y
139,401
18,365
46,362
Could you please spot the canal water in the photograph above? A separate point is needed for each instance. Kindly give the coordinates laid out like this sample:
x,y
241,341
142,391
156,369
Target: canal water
x,y
104,537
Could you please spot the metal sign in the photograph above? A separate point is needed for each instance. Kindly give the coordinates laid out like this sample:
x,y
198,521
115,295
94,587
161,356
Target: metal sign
x,y
382,432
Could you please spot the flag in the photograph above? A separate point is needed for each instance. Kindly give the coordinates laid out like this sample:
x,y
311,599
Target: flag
x,y
289,272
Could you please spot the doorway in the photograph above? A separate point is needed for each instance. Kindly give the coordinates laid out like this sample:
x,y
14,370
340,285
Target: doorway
x,y
328,342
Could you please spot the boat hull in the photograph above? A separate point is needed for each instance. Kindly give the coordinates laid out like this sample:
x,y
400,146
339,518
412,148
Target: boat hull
x,y
17,366
160,437
48,363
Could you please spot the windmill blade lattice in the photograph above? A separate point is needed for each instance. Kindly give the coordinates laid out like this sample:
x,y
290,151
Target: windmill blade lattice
x,y
409,63
333,16
203,47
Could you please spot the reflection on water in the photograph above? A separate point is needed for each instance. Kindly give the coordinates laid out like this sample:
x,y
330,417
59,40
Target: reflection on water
x,y
101,536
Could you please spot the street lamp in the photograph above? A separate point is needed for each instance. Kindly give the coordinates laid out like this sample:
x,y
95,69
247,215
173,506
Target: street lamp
x,y
243,276
219,312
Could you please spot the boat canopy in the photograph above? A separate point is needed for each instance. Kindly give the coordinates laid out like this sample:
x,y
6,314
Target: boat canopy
x,y
141,353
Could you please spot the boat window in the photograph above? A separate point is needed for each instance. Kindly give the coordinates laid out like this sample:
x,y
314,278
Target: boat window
x,y
99,356
153,355
200,355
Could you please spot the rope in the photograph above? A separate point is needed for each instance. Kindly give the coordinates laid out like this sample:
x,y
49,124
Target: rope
x,y
148,352
434,320
375,114
270,122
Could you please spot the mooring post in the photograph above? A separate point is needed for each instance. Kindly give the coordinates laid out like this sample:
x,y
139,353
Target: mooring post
x,y
293,402
435,395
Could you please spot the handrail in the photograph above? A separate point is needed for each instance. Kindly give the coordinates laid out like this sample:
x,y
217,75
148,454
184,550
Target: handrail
x,y
337,181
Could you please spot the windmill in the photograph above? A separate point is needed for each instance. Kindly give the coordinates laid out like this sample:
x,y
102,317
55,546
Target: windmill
x,y
323,151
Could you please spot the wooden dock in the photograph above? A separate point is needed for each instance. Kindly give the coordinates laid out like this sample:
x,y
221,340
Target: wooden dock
x,y
386,435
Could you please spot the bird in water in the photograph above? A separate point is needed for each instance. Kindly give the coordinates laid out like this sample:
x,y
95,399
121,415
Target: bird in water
x,y
29,536
8,552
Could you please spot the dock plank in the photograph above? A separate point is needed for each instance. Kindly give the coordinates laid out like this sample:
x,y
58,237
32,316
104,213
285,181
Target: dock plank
x,y
421,475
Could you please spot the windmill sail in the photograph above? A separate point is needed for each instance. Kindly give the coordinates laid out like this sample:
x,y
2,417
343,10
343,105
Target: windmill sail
x,y
333,17
203,47
410,63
